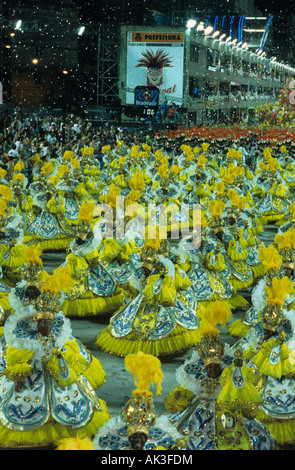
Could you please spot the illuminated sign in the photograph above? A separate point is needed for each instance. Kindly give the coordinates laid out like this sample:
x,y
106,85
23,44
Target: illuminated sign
x,y
155,59
146,96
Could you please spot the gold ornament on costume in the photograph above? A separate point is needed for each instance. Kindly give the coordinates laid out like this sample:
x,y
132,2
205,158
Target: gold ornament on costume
x,y
3,215
216,208
32,264
139,412
211,347
85,218
275,299
51,286
285,244
272,261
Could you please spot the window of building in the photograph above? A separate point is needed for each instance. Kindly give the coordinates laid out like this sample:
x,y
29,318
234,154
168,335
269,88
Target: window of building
x,y
195,52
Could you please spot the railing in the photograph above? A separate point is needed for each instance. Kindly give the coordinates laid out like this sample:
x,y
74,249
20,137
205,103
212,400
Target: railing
x,y
224,101
100,114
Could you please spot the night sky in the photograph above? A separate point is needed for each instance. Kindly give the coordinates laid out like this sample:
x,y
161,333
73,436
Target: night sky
x,y
121,11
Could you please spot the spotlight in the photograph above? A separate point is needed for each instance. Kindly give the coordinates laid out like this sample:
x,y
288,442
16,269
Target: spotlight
x,y
18,24
81,30
208,30
191,23
35,61
215,34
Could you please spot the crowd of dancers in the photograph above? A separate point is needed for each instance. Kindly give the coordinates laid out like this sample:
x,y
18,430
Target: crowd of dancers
x,y
163,295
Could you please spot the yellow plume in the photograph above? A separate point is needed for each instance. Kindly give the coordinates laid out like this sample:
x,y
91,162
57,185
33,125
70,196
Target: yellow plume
x,y
216,313
2,173
110,198
31,255
36,159
62,279
145,370
284,240
19,166
175,169
270,257
18,177
68,155
59,281
158,155
276,294
219,187
86,211
216,208
137,181
47,168
75,443
3,206
6,192
75,163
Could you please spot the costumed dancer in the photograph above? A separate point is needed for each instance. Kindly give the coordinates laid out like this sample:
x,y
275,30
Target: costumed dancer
x,y
162,318
70,185
50,228
274,197
92,264
197,407
48,378
138,427
273,264
211,273
11,242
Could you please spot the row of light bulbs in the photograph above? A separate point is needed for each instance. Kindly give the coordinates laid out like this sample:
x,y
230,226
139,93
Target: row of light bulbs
x,y
243,45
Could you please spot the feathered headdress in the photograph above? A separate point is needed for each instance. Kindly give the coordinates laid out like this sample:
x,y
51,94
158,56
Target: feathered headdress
x,y
145,370
68,155
137,181
139,412
6,192
216,208
31,255
19,167
270,258
157,60
216,313
278,291
75,443
86,211
47,168
211,347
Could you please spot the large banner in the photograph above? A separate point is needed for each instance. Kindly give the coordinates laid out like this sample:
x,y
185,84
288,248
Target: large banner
x,y
155,59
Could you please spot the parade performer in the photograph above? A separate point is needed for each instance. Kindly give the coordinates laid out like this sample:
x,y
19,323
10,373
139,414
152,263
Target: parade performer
x,y
138,427
162,318
50,228
201,416
48,378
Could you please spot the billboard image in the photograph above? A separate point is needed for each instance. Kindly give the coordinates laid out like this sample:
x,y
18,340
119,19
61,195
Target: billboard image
x,y
155,60
147,96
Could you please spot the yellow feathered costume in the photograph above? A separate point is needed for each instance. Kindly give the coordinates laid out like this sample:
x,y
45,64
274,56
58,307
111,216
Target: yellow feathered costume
x,y
83,371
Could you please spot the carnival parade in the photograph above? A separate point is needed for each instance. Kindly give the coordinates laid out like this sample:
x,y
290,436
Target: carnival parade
x,y
147,247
